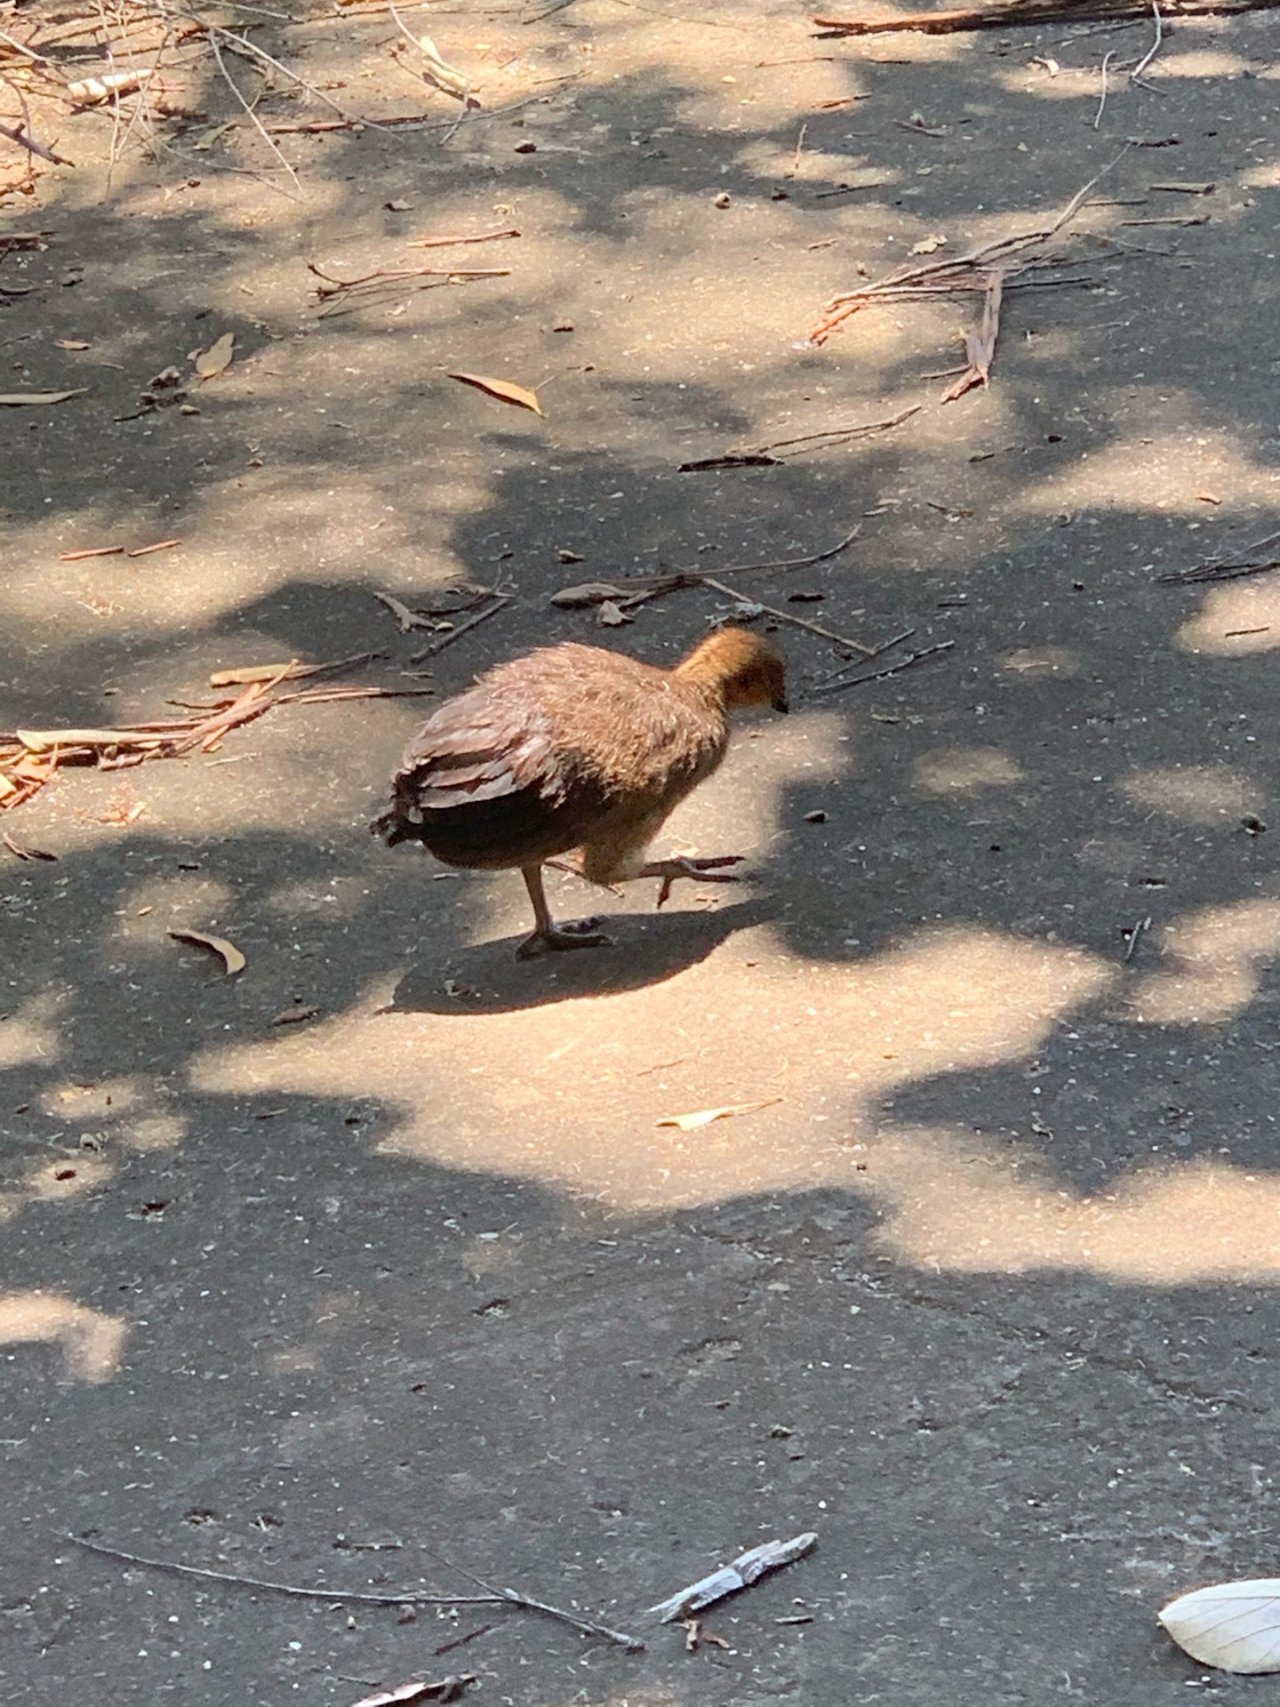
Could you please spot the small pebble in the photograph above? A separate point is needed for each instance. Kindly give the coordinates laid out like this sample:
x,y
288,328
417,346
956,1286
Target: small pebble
x,y
723,199
818,817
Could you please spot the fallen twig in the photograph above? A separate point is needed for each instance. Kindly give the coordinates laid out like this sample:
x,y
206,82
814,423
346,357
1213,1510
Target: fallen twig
x,y
500,600
782,450
971,271
799,562
746,1569
911,659
1225,569
448,242
1009,15
292,672
787,616
411,1597
368,284
29,758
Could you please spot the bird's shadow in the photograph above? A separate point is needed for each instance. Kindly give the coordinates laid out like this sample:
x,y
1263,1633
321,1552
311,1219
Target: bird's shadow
x,y
643,949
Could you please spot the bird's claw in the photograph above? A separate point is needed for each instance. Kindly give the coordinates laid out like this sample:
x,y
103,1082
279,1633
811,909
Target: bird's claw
x,y
574,933
700,870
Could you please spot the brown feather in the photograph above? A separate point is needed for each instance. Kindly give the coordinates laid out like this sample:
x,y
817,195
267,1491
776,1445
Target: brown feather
x,y
573,747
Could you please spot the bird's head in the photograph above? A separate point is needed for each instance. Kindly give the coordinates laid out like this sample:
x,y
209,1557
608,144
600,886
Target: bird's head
x,y
742,667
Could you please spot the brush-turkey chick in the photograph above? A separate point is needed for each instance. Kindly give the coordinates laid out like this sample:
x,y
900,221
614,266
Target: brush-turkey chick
x,y
577,748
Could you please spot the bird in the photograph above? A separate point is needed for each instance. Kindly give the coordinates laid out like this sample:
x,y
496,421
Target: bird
x,y
575,756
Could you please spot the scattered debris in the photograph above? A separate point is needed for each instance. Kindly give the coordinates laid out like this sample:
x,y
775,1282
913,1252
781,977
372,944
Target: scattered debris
x,y
448,242
21,399
29,758
232,959
499,602
406,619
980,346
448,1689
489,1596
705,1116
746,1569
287,672
505,390
1226,569
342,295
217,358
1233,1626
92,91
1008,14
1010,257
912,658
92,551
20,850
782,450
695,1636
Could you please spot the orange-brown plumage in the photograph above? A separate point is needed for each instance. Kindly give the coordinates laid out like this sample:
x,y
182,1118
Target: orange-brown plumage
x,y
575,747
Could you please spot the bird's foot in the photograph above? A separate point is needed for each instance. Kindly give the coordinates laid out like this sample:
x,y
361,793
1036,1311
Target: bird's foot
x,y
700,870
573,933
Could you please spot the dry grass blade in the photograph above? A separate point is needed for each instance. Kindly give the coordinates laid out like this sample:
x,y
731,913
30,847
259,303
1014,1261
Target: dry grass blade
x,y
505,390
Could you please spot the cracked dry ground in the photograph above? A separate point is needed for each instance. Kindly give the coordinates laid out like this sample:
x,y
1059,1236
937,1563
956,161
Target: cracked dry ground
x,y
985,1294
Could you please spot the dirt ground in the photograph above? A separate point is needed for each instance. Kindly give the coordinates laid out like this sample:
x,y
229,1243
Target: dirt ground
x,y
982,1290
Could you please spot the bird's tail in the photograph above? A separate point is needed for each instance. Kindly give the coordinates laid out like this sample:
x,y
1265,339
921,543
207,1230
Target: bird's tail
x,y
402,821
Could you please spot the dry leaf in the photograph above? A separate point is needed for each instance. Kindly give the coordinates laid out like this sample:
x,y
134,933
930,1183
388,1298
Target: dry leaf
x,y
217,358
232,958
928,245
1234,1626
505,390
15,399
704,1116
448,1689
588,594
71,343
442,74
398,206
610,615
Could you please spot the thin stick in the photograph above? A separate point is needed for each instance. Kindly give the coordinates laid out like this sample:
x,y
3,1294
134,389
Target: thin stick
x,y
1223,568
500,600
258,125
795,158
891,670
912,279
588,1626
798,562
490,1597
1152,51
864,430
298,1592
447,242
787,616
25,140
1102,99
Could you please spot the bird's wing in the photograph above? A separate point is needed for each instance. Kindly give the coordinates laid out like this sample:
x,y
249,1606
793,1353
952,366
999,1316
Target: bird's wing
x,y
478,748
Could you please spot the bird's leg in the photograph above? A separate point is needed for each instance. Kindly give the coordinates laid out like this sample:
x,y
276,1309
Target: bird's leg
x,y
572,863
701,870
546,934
